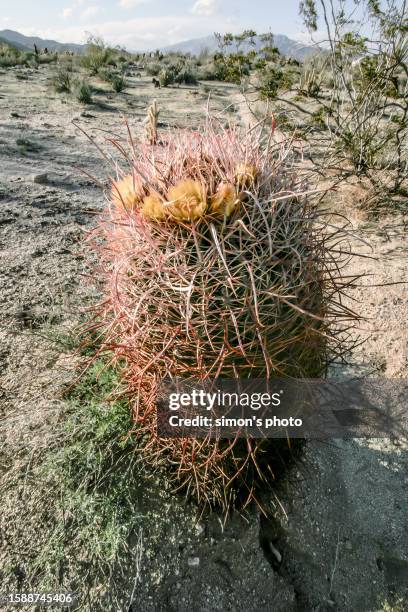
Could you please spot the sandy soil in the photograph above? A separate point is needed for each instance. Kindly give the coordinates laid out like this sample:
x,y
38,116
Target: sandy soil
x,y
341,518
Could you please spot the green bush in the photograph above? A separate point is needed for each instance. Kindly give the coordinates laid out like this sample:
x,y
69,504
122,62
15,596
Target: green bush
x,y
115,79
186,76
61,81
106,74
83,92
9,56
270,80
153,69
97,55
118,83
167,76
48,58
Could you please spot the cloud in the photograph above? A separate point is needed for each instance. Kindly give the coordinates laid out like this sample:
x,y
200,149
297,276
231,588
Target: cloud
x,y
137,34
67,12
318,38
205,8
91,11
127,4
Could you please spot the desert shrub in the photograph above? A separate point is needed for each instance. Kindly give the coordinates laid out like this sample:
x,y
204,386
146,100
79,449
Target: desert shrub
x,y
61,81
208,71
270,80
106,74
97,55
186,75
83,91
118,83
47,58
212,263
67,62
115,79
312,75
167,76
153,69
9,56
232,68
365,71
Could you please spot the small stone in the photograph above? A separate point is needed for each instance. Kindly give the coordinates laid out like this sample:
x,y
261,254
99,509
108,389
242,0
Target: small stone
x,y
40,179
193,561
199,529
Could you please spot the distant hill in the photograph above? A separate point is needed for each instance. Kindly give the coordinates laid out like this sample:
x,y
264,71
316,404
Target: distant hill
x,y
14,45
286,46
26,43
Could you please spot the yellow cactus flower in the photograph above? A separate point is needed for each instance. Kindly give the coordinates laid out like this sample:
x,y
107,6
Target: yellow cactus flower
x,y
245,175
225,200
127,192
187,200
153,207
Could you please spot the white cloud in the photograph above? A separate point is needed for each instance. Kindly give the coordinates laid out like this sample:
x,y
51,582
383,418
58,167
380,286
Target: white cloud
x,y
91,11
127,4
205,8
318,37
137,34
67,12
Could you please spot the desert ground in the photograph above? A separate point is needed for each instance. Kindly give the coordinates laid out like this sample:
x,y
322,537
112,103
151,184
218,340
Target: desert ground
x,y
340,513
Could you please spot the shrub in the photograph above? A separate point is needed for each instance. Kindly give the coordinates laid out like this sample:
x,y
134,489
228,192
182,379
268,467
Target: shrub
x,y
167,76
270,80
187,76
211,265
97,55
118,83
61,81
83,92
47,58
106,74
9,56
153,69
116,80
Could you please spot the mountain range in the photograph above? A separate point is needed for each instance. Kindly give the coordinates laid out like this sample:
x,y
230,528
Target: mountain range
x,y
26,43
286,46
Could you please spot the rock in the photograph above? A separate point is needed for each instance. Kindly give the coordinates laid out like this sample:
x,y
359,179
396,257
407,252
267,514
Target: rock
x,y
40,179
199,528
193,561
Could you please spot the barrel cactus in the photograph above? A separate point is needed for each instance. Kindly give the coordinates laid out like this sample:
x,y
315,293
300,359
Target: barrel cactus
x,y
214,262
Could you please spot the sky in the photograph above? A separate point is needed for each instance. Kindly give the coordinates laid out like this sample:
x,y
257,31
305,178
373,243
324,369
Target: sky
x,y
147,24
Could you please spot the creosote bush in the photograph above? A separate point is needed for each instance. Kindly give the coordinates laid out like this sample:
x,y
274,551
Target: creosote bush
x,y
83,92
9,56
61,81
214,262
116,80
